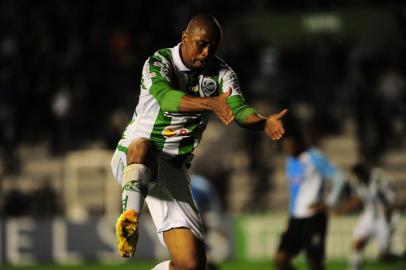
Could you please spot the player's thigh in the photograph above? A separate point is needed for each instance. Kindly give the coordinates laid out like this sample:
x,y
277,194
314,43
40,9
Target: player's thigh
x,y
170,201
141,151
291,241
118,164
315,231
383,235
186,250
134,150
364,230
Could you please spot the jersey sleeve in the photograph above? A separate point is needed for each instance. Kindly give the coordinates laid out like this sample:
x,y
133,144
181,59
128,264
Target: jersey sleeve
x,y
322,164
330,172
386,192
236,101
156,77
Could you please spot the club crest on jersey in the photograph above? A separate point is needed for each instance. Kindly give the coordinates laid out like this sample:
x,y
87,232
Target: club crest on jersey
x,y
195,89
170,132
208,86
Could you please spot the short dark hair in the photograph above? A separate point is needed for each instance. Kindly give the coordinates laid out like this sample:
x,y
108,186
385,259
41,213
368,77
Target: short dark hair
x,y
294,130
361,169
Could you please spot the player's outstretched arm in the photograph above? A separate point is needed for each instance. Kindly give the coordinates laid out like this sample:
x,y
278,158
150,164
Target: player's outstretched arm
x,y
218,105
271,125
347,206
274,127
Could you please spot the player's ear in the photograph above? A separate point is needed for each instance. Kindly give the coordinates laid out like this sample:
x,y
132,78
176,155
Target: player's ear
x,y
185,38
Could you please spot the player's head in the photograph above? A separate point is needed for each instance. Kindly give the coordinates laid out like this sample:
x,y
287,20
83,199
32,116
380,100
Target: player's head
x,y
294,145
362,172
294,142
200,41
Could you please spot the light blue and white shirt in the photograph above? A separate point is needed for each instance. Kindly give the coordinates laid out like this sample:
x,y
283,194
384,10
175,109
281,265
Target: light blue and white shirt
x,y
306,175
207,201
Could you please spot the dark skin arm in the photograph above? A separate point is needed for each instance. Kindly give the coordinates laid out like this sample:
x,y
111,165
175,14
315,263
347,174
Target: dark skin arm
x,y
319,207
347,206
218,105
272,125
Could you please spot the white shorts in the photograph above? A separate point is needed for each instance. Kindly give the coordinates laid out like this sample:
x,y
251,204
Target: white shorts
x,y
169,199
370,226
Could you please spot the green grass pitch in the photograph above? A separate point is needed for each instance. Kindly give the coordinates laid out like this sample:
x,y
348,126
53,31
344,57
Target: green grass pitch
x,y
235,265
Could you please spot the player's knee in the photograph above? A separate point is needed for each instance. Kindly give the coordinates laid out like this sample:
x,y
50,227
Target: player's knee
x,y
191,262
315,263
141,151
358,244
281,260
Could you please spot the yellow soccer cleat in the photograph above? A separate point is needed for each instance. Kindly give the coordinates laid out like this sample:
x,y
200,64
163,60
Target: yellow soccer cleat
x,y
127,233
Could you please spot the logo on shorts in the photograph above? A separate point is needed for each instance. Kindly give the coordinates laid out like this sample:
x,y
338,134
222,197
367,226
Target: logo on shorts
x,y
316,239
208,86
170,132
121,164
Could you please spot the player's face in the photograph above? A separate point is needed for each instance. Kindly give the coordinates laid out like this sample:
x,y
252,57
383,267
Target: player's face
x,y
288,145
199,47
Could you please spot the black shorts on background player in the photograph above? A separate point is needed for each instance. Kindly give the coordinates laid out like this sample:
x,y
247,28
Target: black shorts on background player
x,y
307,234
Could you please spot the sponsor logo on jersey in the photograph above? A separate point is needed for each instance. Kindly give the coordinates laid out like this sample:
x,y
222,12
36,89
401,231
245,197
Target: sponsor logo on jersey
x,y
170,132
208,86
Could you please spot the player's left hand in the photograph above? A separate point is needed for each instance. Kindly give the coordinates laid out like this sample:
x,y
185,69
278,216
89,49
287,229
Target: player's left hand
x,y
319,207
273,127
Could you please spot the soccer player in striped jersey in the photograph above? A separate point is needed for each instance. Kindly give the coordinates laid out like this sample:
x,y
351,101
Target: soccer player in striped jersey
x,y
373,189
180,87
307,170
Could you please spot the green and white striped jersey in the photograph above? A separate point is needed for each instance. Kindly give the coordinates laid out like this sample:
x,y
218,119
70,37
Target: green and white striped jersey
x,y
165,79
378,195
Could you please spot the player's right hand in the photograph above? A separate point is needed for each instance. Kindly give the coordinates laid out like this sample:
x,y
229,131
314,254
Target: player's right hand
x,y
220,107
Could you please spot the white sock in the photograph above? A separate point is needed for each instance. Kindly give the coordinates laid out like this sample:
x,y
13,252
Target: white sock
x,y
357,260
162,266
135,186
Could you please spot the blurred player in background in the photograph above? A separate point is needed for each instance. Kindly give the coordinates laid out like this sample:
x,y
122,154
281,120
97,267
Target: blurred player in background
x,y
208,203
180,87
306,171
373,190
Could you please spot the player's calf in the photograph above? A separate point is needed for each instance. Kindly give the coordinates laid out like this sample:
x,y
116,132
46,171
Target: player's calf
x,y
135,189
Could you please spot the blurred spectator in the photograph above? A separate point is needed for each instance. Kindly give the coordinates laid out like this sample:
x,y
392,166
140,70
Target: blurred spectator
x,y
61,113
391,108
16,202
45,202
38,199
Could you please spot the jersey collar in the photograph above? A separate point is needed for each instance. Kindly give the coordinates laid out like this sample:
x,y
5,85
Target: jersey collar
x,y
177,60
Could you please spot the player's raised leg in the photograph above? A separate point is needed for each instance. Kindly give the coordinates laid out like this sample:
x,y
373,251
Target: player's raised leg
x,y
357,256
137,174
186,250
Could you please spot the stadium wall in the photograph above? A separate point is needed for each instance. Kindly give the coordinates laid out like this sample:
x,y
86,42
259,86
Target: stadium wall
x,y
25,241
